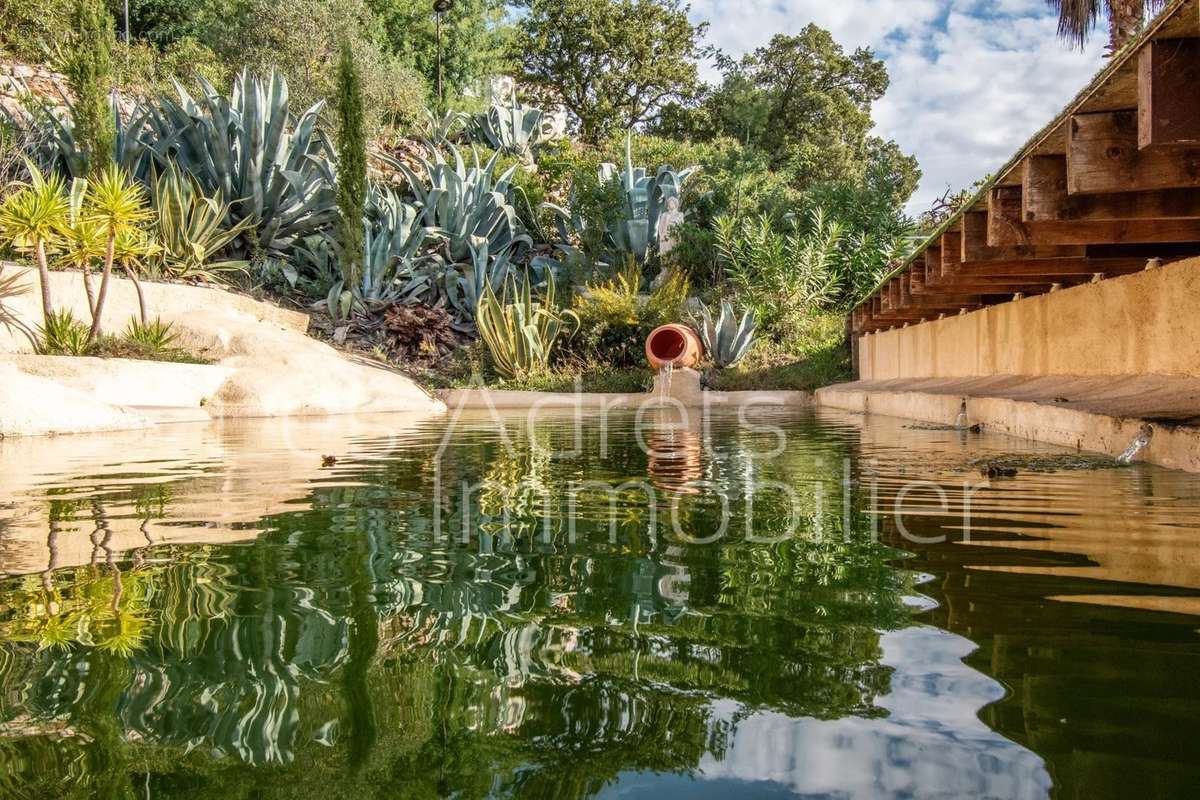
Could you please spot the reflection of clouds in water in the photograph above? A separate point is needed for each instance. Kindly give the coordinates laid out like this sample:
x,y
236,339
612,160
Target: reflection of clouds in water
x,y
931,745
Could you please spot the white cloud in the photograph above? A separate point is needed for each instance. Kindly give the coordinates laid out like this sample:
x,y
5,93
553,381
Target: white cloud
x,y
971,80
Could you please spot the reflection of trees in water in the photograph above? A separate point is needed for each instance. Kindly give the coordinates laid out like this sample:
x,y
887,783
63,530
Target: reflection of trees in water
x,y
350,634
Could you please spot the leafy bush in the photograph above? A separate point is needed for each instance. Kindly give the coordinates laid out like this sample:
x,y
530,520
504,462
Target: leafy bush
x,y
615,319
780,274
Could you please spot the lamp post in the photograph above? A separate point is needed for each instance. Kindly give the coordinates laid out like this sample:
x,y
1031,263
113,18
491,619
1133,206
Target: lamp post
x,y
440,7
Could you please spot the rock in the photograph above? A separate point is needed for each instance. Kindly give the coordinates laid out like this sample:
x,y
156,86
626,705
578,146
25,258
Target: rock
x,y
281,372
35,406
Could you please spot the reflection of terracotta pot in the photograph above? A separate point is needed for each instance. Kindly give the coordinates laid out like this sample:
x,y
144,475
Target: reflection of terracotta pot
x,y
674,344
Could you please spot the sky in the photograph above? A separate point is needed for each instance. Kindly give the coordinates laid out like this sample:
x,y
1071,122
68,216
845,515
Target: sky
x,y
971,80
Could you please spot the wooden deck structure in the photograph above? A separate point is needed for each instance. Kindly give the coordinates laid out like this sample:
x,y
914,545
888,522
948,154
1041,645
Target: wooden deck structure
x,y
1109,187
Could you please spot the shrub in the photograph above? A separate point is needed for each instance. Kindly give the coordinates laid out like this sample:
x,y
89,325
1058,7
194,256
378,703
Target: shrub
x,y
63,335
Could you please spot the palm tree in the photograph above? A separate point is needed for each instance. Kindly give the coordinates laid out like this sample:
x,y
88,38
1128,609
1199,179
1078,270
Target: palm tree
x,y
34,218
1076,18
85,240
117,205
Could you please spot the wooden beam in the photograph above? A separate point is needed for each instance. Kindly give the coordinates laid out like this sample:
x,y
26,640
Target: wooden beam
x,y
1169,93
975,247
1103,157
1054,269
1044,198
1004,216
1101,231
951,253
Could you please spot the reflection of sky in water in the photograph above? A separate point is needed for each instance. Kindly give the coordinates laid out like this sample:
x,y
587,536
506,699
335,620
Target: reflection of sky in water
x,y
931,745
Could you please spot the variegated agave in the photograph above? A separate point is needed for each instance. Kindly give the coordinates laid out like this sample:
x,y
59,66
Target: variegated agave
x,y
728,339
191,227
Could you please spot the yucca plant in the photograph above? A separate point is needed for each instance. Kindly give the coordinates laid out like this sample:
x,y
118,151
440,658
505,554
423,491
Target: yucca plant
x,y
727,339
519,330
118,206
34,219
84,240
191,228
154,335
459,202
63,335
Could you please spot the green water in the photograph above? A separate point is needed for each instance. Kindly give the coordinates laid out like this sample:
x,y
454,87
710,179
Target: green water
x,y
209,612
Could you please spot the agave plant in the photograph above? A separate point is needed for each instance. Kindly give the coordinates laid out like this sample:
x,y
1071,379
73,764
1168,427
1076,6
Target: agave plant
x,y
513,129
49,135
276,171
460,203
633,229
728,339
438,130
393,235
191,227
520,333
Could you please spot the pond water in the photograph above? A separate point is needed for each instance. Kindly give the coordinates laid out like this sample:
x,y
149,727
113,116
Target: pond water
x,y
621,607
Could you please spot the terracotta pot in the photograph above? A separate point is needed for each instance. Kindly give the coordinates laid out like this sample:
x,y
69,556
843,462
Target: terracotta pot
x,y
674,344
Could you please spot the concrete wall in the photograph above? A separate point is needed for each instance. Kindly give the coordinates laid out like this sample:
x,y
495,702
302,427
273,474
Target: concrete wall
x,y
163,299
1145,323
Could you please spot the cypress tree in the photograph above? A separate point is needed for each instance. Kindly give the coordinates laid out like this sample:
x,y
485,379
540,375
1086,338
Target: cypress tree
x,y
90,76
352,164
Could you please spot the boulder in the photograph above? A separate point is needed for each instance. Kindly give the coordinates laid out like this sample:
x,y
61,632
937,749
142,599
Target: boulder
x,y
34,406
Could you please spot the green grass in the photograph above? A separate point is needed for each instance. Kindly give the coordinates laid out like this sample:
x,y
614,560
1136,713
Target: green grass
x,y
814,355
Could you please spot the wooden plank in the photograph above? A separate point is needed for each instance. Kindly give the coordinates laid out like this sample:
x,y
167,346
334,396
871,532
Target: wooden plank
x,y
975,245
1113,231
1044,198
905,291
1054,269
1103,157
1169,93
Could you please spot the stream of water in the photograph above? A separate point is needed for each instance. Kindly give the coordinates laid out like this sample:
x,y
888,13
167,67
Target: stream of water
x,y
812,604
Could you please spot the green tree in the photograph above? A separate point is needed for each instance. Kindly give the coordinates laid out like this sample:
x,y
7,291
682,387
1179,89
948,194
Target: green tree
x,y
612,63
802,100
352,163
475,37
90,76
